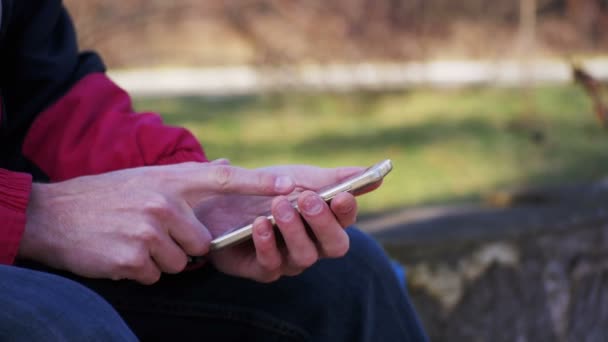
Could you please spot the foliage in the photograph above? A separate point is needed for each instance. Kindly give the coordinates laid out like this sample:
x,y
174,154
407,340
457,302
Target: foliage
x,y
287,31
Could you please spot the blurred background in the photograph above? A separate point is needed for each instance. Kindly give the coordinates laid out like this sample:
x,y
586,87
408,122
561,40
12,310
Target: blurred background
x,y
492,112
351,85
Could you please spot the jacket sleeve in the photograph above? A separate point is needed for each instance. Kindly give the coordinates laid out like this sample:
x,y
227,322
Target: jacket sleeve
x,y
71,119
15,190
93,129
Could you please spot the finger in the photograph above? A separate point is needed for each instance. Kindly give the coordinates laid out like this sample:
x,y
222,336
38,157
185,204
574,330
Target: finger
x,y
268,256
301,250
344,207
331,238
148,273
368,188
234,180
168,256
314,178
190,234
175,222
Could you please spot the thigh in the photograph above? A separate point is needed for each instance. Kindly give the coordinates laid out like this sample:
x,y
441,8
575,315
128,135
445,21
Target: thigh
x,y
37,306
354,298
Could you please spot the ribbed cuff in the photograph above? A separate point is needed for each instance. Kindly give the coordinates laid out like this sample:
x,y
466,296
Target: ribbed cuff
x,y
15,191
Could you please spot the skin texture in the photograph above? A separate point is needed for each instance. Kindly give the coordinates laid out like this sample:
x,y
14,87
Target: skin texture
x,y
142,222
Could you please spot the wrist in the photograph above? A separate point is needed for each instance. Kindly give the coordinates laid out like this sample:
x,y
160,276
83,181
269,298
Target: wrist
x,y
33,244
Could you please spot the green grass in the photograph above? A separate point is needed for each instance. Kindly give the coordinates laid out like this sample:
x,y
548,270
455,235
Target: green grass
x,y
446,145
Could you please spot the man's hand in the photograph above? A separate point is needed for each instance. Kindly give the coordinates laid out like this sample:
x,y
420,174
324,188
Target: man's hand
x,y
134,223
317,233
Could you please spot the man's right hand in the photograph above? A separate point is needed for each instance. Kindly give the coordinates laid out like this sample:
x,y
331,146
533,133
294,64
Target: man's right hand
x,y
135,223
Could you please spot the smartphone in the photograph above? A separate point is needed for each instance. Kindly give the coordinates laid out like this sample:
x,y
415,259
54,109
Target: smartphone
x,y
353,184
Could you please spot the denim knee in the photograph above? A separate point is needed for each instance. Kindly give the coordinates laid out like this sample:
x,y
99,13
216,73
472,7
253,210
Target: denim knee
x,y
368,255
37,306
379,294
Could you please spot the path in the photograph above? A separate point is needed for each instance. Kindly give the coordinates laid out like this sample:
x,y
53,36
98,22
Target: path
x,y
243,80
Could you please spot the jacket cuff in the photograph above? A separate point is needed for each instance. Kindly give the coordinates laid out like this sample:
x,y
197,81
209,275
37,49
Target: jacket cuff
x,y
15,191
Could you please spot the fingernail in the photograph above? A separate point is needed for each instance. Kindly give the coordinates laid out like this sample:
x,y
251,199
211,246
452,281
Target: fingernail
x,y
345,210
263,230
283,183
312,205
284,211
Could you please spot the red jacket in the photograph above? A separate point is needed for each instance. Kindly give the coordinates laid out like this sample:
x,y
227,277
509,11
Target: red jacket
x,y
62,117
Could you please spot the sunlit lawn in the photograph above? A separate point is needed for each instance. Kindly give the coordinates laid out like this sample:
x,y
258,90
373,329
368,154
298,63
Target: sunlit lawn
x,y
446,145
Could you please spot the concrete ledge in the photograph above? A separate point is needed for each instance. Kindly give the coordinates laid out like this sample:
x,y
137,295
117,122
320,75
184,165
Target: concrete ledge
x,y
534,271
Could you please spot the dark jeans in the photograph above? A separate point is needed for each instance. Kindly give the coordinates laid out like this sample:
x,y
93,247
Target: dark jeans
x,y
37,306
355,298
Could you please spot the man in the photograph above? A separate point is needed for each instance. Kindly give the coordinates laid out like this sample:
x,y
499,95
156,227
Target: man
x,y
116,201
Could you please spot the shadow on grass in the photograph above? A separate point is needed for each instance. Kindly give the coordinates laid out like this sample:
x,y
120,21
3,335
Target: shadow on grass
x,y
409,137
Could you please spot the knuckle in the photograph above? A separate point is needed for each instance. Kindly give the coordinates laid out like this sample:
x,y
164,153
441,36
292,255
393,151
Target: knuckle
x,y
133,266
158,206
138,262
267,183
132,263
223,175
148,235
